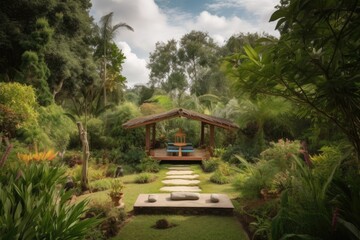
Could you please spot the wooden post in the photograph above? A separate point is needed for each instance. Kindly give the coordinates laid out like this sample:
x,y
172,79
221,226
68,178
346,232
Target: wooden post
x,y
202,133
86,155
147,139
212,139
153,135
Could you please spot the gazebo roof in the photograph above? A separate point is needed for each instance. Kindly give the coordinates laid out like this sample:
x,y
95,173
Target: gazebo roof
x,y
180,112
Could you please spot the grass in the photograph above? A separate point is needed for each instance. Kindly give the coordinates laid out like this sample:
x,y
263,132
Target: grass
x,y
188,227
131,190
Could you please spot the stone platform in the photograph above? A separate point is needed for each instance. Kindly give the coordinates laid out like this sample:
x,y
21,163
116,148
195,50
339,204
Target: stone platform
x,y
164,205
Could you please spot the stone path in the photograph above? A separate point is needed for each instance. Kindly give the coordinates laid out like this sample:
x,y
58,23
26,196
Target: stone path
x,y
181,178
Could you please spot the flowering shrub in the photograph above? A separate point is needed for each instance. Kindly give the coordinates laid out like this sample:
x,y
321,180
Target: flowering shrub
x,y
38,156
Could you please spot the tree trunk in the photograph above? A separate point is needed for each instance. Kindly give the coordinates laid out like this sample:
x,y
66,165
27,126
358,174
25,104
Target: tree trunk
x,y
7,151
85,158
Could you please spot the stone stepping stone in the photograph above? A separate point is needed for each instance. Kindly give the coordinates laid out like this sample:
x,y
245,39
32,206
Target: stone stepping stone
x,y
180,189
181,182
180,168
190,177
179,172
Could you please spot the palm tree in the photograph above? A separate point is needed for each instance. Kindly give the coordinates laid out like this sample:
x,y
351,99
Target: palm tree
x,y
107,35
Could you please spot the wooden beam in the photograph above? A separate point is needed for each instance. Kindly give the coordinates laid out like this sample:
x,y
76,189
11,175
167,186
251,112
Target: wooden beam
x,y
212,139
147,139
153,134
202,134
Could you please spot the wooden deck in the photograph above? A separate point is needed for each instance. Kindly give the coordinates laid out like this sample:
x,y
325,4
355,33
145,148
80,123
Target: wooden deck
x,y
198,155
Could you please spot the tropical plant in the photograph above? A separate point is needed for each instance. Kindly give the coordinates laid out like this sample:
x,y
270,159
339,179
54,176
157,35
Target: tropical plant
x,y
107,34
145,178
149,164
117,187
38,156
30,199
211,164
19,104
313,64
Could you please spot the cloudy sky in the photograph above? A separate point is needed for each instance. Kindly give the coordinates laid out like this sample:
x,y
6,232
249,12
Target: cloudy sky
x,y
162,20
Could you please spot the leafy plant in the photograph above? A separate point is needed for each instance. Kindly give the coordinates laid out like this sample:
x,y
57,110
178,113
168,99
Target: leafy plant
x,y
29,202
117,187
149,164
304,209
211,164
100,185
219,178
254,176
145,178
38,156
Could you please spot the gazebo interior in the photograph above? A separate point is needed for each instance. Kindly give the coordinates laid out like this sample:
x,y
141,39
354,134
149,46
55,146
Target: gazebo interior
x,y
178,148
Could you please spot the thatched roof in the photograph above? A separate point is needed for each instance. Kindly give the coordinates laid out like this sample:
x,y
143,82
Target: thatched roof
x,y
180,112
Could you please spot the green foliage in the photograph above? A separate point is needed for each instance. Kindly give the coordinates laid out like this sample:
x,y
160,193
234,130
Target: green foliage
x,y
281,152
304,209
312,64
145,178
254,177
56,125
35,72
134,156
112,218
223,174
149,164
219,178
32,200
121,138
117,187
100,185
95,131
211,164
20,102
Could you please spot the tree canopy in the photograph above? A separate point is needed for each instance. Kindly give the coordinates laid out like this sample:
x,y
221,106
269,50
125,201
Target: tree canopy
x,y
314,63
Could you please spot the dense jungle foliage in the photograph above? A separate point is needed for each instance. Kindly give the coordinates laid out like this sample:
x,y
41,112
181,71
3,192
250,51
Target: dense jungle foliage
x,y
296,100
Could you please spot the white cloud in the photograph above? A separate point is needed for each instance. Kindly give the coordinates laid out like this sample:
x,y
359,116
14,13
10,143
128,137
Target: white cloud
x,y
152,24
219,27
134,68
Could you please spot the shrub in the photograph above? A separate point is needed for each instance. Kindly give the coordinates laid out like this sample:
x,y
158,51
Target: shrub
x,y
145,178
134,155
219,178
110,170
113,217
211,164
95,130
218,152
57,126
281,152
32,200
253,177
96,172
149,164
100,185
162,224
72,158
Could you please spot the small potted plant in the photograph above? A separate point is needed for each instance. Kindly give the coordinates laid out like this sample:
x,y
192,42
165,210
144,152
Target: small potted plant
x,y
116,192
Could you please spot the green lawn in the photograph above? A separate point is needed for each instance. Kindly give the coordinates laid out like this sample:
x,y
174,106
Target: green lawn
x,y
188,227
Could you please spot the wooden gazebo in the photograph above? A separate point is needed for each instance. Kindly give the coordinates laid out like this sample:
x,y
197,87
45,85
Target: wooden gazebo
x,y
150,124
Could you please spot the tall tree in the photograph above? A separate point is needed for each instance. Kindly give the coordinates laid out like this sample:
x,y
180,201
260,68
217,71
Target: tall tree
x,y
106,46
44,43
198,52
314,63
